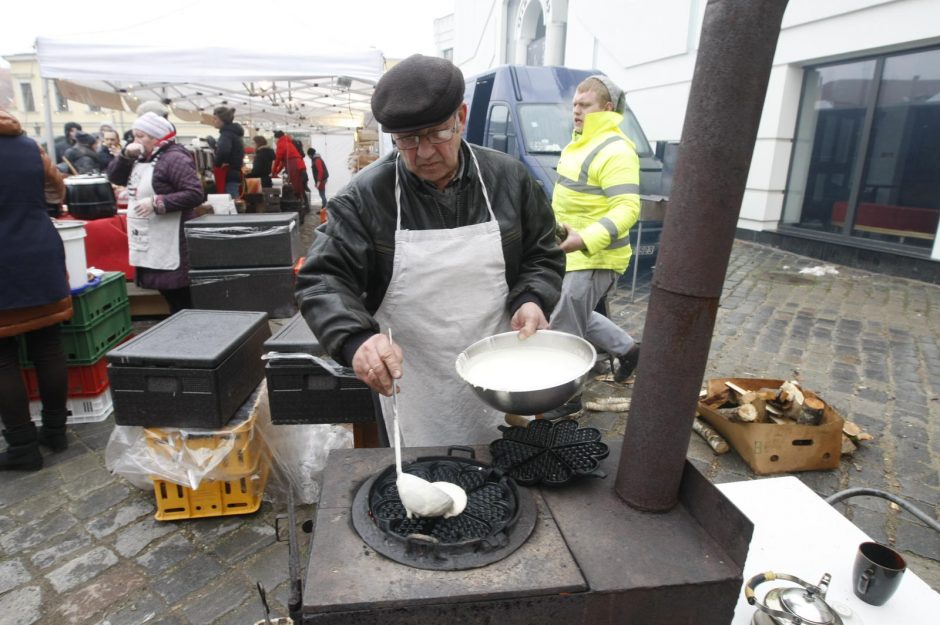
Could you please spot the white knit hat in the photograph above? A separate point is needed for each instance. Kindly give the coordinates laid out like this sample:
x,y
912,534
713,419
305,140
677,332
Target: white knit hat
x,y
155,126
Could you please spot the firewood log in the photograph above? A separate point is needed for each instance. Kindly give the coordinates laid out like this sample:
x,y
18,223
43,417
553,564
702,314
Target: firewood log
x,y
812,413
718,444
746,413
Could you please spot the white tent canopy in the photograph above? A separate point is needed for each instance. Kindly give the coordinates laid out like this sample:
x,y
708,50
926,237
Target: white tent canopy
x,y
287,87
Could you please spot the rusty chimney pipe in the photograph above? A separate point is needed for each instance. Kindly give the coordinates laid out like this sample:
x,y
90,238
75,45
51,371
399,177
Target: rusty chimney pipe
x,y
732,70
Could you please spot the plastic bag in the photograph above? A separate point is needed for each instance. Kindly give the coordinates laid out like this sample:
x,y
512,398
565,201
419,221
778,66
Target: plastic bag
x,y
296,454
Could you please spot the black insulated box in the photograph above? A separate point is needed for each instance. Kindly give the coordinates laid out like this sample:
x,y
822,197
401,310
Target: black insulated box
x,y
256,240
305,386
195,369
267,289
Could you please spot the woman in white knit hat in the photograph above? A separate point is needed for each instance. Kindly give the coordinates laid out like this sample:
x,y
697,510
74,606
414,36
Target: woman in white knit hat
x,y
163,192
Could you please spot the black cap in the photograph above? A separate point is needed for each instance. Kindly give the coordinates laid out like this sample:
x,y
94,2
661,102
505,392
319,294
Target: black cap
x,y
419,92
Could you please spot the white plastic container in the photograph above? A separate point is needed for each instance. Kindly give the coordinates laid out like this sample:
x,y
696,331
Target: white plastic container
x,y
73,237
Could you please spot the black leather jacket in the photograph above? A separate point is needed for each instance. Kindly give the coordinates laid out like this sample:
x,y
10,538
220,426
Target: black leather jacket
x,y
349,266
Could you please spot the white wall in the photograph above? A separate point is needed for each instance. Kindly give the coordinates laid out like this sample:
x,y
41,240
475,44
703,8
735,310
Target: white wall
x,y
649,48
334,149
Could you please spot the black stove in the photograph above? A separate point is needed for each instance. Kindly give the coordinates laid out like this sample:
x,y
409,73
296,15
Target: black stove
x,y
589,558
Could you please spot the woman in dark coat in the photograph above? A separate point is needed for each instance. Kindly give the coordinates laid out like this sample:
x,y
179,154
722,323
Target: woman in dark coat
x,y
264,159
229,150
163,192
34,299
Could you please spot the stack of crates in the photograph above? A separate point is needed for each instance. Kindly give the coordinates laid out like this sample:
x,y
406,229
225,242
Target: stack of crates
x,y
192,381
234,486
101,319
244,262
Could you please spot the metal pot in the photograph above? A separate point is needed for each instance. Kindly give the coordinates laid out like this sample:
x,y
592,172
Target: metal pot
x,y
90,196
563,360
791,605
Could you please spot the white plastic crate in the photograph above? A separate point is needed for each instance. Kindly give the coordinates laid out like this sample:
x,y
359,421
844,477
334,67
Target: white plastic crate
x,y
83,409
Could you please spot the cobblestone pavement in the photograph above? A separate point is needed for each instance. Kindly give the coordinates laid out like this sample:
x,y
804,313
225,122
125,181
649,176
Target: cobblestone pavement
x,y
80,546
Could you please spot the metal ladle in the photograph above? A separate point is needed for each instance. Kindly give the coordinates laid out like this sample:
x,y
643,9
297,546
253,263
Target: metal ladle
x,y
419,496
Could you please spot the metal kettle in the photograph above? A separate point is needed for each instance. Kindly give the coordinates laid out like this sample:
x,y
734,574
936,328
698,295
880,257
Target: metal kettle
x,y
804,605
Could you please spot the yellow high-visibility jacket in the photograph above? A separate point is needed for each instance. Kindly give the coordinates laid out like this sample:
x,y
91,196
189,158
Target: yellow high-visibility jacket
x,y
598,193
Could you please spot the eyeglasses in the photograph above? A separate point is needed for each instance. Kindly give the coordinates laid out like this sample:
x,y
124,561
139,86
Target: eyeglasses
x,y
435,137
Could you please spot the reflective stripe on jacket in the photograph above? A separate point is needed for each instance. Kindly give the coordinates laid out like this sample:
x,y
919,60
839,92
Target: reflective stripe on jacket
x,y
598,193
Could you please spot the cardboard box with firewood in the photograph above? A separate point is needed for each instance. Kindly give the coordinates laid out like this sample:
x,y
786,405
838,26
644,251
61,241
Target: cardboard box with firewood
x,y
774,425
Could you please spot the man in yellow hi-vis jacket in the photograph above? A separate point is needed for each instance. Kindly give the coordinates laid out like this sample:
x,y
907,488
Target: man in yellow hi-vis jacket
x,y
597,201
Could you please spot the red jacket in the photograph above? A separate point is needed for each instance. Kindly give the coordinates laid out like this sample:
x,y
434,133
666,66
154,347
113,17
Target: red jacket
x,y
284,152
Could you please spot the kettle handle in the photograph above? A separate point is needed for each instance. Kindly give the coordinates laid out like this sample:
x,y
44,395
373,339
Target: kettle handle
x,y
769,576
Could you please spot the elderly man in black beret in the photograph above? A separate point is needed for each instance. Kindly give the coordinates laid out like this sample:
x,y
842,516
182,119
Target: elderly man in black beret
x,y
432,247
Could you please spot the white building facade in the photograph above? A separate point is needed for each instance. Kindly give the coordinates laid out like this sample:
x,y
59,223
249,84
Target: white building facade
x,y
847,160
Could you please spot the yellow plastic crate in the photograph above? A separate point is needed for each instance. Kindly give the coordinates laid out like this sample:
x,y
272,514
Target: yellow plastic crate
x,y
241,495
192,447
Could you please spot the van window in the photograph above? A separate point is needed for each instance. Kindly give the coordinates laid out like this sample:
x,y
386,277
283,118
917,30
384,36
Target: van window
x,y
500,134
546,129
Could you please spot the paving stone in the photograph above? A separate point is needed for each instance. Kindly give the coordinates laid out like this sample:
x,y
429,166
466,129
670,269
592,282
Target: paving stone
x,y
60,550
167,553
270,565
95,502
187,578
12,574
112,521
145,608
170,619
38,506
81,568
220,597
117,587
41,531
21,607
17,486
135,538
244,542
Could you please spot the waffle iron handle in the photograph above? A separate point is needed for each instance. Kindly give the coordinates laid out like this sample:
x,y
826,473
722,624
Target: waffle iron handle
x,y
469,450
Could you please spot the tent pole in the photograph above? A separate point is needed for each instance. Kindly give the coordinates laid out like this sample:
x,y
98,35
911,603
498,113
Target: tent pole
x,y
48,133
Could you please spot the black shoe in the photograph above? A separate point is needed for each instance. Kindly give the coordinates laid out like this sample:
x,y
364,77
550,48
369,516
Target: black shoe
x,y
52,431
23,452
53,438
568,408
627,364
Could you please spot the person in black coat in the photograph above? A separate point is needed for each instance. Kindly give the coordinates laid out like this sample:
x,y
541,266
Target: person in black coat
x,y
264,159
229,150
84,155
34,299
66,141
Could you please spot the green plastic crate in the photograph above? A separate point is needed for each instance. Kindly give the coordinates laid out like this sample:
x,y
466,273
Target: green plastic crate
x,y
85,345
94,303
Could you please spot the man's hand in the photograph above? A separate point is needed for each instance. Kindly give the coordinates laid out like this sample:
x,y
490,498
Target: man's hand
x,y
377,362
573,241
528,319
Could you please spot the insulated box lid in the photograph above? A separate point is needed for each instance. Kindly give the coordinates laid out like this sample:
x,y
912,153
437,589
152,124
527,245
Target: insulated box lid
x,y
200,339
243,239
295,336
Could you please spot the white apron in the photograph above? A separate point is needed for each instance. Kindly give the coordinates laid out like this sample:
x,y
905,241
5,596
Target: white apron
x,y
448,290
153,242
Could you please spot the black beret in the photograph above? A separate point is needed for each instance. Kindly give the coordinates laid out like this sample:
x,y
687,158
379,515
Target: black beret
x,y
419,92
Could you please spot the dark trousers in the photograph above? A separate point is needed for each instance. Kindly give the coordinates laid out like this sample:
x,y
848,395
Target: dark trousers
x,y
45,350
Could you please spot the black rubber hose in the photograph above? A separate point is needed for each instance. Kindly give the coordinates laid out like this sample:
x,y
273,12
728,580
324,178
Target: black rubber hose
x,y
874,492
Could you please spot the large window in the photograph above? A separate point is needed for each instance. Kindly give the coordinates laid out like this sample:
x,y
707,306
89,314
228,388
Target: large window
x,y
866,158
29,103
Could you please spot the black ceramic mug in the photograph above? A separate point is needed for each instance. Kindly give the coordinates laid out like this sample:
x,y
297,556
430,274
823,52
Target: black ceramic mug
x,y
877,573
